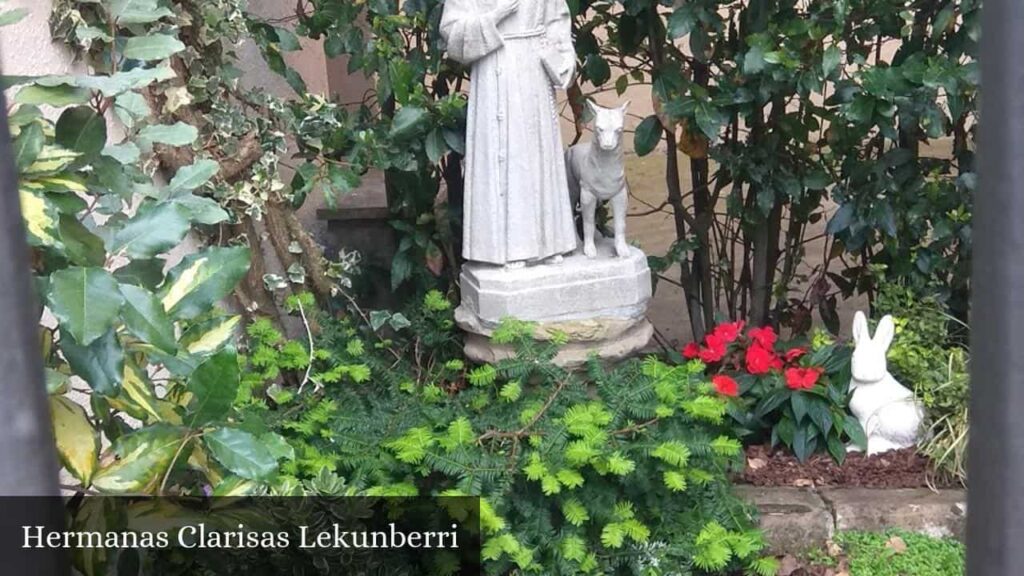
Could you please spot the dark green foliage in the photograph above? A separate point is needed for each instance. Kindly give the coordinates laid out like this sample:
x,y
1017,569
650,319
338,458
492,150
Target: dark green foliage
x,y
607,472
927,356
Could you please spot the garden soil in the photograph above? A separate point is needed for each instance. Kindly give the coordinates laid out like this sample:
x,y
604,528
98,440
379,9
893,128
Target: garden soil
x,y
896,469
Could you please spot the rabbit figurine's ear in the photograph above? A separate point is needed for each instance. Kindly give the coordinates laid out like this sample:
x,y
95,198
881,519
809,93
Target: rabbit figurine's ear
x,y
860,328
885,332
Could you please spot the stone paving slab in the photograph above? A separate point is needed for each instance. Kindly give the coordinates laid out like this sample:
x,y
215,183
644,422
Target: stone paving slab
x,y
799,519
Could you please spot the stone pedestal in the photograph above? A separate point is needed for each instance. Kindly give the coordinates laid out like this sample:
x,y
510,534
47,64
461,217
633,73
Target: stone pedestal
x,y
601,304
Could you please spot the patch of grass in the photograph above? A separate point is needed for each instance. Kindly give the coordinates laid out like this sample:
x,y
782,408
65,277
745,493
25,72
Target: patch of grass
x,y
899,553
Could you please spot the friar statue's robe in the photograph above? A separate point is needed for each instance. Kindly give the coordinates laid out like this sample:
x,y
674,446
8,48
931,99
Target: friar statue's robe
x,y
517,204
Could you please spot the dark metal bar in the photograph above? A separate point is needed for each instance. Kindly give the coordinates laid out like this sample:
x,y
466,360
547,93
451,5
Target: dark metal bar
x,y
995,501
28,463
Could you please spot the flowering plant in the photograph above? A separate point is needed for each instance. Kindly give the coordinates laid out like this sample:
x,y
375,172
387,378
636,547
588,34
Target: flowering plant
x,y
790,393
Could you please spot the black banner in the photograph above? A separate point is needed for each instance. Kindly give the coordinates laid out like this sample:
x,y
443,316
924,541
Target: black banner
x,y
252,536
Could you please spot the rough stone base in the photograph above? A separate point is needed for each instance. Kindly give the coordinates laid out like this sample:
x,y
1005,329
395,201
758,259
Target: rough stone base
x,y
573,355
600,304
799,519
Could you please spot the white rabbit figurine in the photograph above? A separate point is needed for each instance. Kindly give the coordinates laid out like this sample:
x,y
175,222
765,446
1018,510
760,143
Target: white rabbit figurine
x,y
889,413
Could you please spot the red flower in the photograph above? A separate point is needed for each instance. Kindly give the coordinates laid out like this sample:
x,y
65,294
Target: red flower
x,y
725,385
794,353
691,351
713,350
802,378
729,331
764,336
761,360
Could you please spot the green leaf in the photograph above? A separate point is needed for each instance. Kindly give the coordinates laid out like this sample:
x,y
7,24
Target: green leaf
x,y
435,146
82,130
277,445
836,448
100,364
127,153
287,40
83,247
191,177
130,108
201,210
799,403
841,220
709,120
154,229
804,442
177,134
242,453
57,96
853,429
145,273
830,60
143,459
86,301
754,61
214,386
681,22
28,145
647,135
156,47
146,318
407,121
203,279
137,11
596,69
78,444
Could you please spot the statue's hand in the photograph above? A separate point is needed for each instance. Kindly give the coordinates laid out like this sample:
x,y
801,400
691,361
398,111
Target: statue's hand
x,y
505,9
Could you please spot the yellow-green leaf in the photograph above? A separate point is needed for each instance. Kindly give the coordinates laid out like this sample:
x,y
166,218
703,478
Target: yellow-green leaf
x,y
77,441
41,219
143,457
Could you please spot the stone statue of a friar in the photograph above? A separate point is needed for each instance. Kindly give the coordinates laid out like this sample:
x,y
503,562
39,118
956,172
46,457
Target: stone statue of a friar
x,y
517,209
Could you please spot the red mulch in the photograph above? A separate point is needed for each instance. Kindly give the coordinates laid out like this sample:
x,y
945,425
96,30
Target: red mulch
x,y
896,469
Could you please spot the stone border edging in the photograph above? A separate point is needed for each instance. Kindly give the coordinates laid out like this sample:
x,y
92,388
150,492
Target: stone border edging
x,y
796,520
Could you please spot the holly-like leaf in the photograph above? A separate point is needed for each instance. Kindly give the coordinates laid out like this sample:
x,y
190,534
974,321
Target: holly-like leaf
x,y
143,458
155,47
57,96
241,453
191,177
177,134
647,135
28,145
77,442
203,279
146,318
154,229
214,386
100,364
200,209
86,301
82,130
407,121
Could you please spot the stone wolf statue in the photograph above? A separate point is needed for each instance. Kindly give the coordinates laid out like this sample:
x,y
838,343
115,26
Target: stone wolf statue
x,y
596,174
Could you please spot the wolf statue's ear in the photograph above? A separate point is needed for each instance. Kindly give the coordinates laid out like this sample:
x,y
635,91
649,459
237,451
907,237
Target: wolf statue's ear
x,y
591,107
624,107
